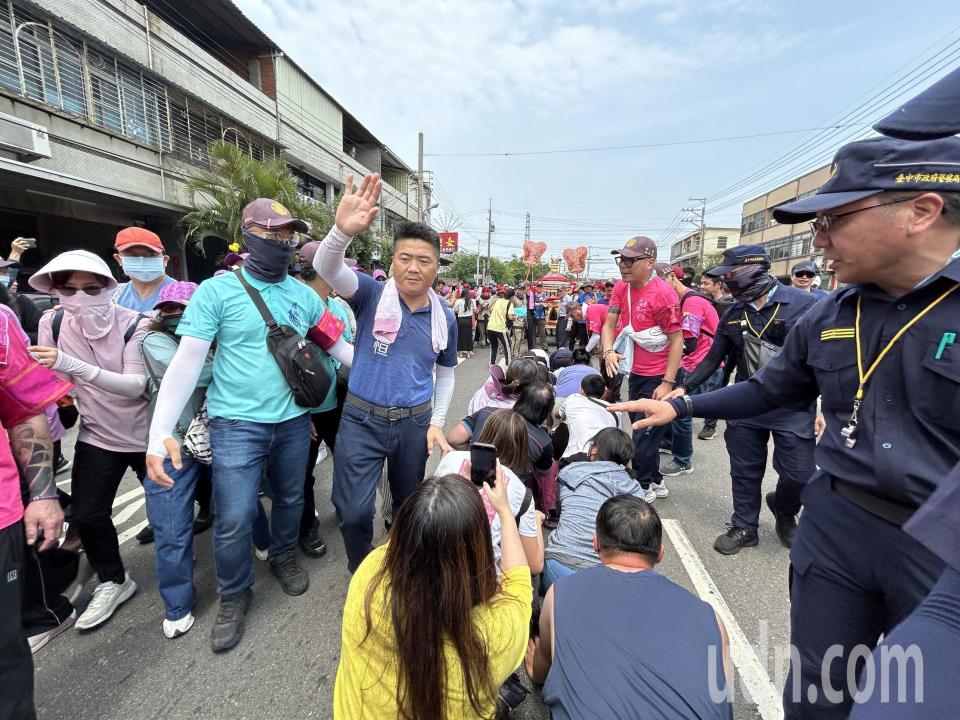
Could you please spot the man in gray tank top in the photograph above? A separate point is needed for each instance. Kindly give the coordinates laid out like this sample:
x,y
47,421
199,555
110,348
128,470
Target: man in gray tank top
x,y
600,658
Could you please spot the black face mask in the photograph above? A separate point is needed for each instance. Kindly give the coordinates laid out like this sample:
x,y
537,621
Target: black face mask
x,y
749,282
269,261
171,323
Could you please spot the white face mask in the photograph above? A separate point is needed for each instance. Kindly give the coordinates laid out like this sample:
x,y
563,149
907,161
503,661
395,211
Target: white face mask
x,y
6,280
144,269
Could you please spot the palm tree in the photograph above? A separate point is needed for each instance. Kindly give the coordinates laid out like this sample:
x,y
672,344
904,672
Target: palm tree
x,y
217,198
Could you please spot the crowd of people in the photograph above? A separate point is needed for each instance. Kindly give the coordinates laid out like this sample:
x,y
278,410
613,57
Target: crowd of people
x,y
218,393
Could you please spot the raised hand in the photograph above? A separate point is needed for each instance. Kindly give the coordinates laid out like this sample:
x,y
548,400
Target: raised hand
x,y
358,208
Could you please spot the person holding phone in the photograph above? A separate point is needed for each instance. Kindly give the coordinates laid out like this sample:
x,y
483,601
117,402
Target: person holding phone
x,y
504,440
472,630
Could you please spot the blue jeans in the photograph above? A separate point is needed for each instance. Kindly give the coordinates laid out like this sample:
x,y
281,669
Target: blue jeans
x,y
553,569
170,511
242,450
364,441
681,430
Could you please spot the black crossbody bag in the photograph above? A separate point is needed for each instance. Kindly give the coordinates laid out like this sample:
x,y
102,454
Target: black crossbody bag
x,y
297,357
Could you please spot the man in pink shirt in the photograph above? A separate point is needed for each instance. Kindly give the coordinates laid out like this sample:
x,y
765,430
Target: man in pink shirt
x,y
647,308
26,452
698,323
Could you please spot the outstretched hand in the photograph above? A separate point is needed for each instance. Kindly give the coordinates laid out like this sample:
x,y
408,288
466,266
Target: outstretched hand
x,y
657,412
358,208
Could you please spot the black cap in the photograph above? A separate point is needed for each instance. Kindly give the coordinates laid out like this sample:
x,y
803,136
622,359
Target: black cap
x,y
740,255
805,266
934,113
869,167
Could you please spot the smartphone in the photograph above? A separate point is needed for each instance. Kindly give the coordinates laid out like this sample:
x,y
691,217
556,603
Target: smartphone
x,y
31,242
483,464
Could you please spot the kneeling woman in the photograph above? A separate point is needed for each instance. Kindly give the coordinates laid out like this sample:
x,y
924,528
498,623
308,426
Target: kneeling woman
x,y
427,632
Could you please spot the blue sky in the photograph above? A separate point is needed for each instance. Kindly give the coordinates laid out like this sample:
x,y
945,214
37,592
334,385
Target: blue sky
x,y
500,76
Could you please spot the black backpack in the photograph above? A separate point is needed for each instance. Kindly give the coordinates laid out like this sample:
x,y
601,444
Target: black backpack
x,y
308,377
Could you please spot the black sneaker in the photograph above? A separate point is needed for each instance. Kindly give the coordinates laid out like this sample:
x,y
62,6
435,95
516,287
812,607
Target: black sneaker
x,y
735,538
145,536
311,542
786,524
61,465
666,449
228,627
293,578
707,433
674,468
202,521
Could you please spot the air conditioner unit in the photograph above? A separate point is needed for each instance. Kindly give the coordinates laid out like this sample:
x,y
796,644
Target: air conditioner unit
x,y
28,140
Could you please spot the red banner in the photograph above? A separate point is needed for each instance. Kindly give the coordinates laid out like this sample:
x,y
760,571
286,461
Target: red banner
x,y
449,242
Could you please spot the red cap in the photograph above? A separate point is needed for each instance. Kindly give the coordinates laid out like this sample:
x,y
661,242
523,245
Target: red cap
x,y
678,272
134,236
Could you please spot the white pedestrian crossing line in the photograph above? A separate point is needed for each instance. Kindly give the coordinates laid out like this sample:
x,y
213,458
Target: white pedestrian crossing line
x,y
121,499
125,514
131,532
754,675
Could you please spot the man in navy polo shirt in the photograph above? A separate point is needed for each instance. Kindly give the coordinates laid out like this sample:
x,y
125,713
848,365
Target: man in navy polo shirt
x,y
394,409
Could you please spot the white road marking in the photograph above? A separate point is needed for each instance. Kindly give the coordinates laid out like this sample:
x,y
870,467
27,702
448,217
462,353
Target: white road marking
x,y
131,532
63,483
125,514
121,499
752,672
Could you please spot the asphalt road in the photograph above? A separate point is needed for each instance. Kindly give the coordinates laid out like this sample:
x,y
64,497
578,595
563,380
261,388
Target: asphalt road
x,y
286,665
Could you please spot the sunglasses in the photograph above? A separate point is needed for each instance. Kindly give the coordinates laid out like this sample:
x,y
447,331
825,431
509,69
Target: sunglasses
x,y
625,261
70,291
804,274
825,222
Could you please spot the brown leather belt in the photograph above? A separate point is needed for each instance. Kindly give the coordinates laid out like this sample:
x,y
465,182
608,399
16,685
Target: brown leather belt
x,y
390,413
889,510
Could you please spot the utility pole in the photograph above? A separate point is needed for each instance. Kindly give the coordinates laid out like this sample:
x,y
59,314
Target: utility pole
x,y
703,228
589,255
420,178
489,234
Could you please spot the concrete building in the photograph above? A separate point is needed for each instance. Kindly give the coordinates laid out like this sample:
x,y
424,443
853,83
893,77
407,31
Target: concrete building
x,y
107,107
686,250
786,244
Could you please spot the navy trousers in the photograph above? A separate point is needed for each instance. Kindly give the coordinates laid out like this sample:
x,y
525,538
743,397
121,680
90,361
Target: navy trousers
x,y
853,577
363,443
646,443
916,691
792,459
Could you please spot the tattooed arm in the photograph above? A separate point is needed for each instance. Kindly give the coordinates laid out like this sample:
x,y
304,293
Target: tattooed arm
x,y
33,451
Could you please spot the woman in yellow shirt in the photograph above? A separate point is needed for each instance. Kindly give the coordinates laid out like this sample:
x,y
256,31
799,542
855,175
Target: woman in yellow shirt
x,y
497,327
427,633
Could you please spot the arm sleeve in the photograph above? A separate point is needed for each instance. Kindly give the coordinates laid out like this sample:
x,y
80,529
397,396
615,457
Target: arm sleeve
x,y
442,394
342,351
706,367
735,402
175,389
594,341
129,385
329,264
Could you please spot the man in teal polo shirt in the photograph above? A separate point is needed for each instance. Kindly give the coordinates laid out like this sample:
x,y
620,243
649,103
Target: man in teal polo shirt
x,y
256,428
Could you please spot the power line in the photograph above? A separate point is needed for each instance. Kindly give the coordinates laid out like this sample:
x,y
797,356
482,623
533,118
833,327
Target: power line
x,y
628,147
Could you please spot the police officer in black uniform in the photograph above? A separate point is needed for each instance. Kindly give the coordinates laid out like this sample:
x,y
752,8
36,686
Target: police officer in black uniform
x,y
756,325
884,356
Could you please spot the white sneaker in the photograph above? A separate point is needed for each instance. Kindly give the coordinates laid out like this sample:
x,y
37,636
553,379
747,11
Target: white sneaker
x,y
660,489
175,628
650,495
39,640
261,554
107,597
